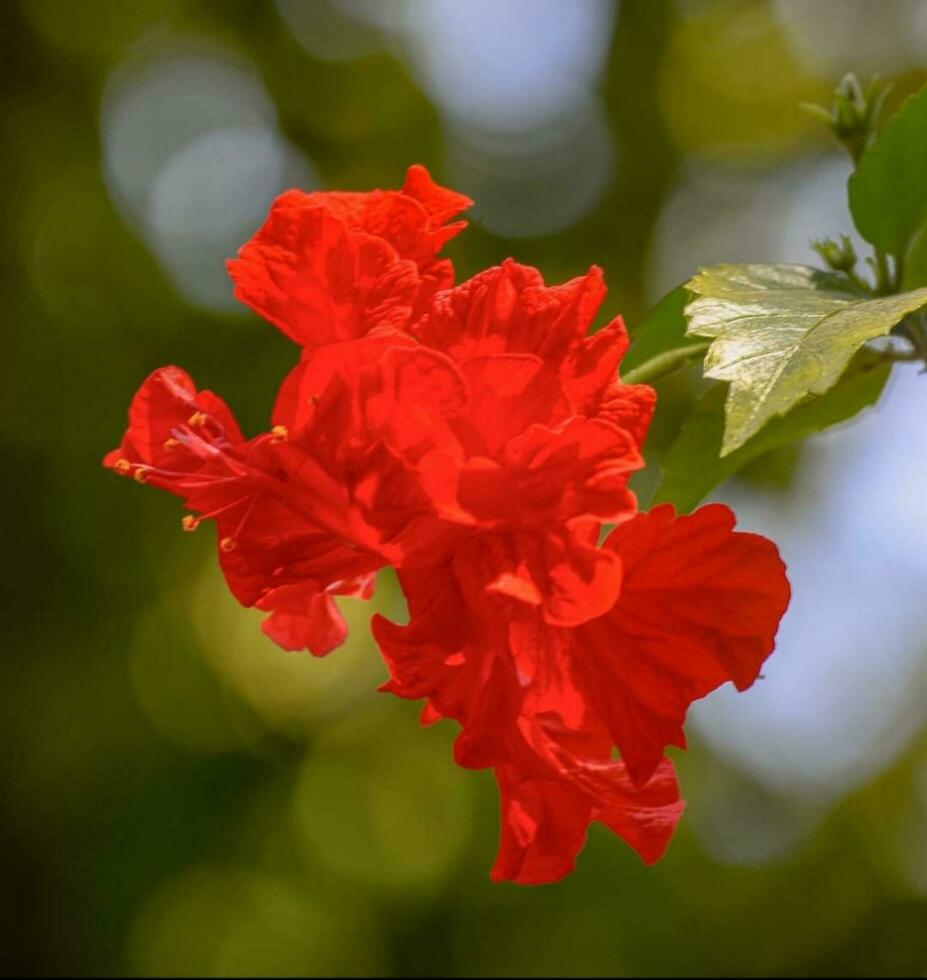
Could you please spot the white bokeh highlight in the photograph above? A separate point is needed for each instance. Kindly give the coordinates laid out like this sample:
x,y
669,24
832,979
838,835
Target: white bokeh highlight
x,y
508,66
532,184
193,157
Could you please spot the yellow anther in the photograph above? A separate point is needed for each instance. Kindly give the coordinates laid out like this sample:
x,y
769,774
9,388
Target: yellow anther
x,y
170,444
197,418
189,523
140,474
279,433
122,466
227,544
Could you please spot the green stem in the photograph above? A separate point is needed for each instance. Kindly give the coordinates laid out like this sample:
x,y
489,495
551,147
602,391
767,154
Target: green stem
x,y
883,279
858,281
664,364
899,274
912,326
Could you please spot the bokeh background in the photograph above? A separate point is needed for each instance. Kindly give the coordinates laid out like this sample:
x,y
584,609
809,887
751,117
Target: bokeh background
x,y
181,797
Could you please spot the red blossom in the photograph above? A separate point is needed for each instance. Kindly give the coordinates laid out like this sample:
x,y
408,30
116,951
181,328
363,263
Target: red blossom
x,y
476,438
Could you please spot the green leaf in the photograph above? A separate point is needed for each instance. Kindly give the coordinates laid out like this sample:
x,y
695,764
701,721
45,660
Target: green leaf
x,y
888,192
780,333
692,466
663,329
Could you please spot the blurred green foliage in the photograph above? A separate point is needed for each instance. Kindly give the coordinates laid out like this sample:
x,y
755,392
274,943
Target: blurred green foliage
x,y
181,797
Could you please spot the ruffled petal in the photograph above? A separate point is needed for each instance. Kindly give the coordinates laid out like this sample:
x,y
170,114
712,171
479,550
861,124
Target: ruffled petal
x,y
544,820
440,203
303,620
509,310
551,475
305,617
317,281
700,605
411,220
453,658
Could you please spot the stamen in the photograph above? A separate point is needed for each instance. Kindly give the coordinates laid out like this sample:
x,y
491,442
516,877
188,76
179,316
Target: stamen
x,y
189,523
141,474
197,418
279,433
227,544
122,466
226,508
170,444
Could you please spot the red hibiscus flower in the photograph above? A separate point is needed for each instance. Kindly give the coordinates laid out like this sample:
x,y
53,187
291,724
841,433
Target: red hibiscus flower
x,y
476,438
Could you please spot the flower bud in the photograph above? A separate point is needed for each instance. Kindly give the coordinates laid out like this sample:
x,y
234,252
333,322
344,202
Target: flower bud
x,y
839,256
853,113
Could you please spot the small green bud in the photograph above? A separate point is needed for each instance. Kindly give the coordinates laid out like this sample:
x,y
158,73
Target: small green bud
x,y
839,256
853,113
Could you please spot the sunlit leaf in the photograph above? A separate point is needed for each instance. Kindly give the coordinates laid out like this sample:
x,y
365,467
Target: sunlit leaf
x,y
693,465
888,192
781,333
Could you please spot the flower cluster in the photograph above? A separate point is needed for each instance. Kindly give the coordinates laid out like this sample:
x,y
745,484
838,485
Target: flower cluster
x,y
477,439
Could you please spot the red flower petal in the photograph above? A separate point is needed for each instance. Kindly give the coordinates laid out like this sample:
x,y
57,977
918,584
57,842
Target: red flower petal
x,y
309,275
548,475
544,820
330,266
411,220
449,656
568,579
700,605
440,203
509,310
305,618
